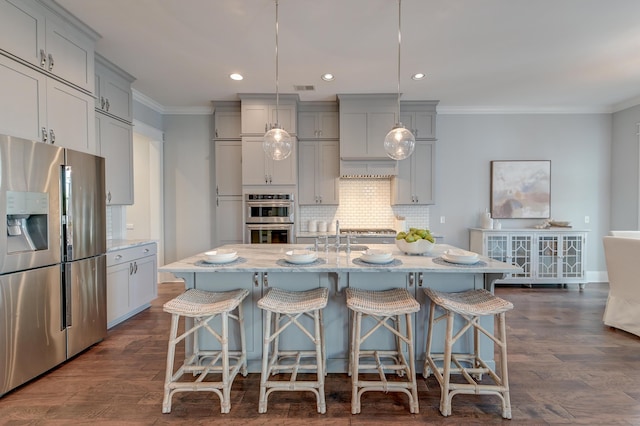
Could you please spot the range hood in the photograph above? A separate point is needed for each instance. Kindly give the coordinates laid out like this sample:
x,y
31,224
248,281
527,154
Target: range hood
x,y
368,168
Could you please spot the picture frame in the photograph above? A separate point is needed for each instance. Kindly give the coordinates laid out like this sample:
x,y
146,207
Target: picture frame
x,y
521,189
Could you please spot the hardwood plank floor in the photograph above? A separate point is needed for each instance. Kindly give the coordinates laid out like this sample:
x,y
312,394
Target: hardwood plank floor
x,y
565,367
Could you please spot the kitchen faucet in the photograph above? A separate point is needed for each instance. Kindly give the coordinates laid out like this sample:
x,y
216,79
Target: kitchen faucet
x,y
337,236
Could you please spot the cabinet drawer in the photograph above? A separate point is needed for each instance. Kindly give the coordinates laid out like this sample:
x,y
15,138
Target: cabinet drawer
x,y
117,257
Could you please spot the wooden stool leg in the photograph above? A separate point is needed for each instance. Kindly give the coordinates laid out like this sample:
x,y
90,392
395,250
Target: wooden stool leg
x,y
243,341
225,402
262,406
445,400
355,357
352,343
506,403
414,403
171,352
426,367
322,406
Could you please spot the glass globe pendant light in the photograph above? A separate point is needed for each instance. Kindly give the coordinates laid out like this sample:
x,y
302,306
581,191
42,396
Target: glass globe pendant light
x,y
399,142
277,142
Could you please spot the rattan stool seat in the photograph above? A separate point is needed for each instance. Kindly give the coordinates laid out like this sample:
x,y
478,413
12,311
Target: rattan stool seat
x,y
197,303
472,302
294,302
288,310
396,301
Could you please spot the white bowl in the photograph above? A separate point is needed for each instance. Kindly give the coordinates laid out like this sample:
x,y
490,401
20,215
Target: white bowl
x,y
417,247
220,255
376,256
300,256
460,256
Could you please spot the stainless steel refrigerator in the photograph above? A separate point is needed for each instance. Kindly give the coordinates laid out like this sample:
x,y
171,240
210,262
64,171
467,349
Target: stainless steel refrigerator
x,y
52,257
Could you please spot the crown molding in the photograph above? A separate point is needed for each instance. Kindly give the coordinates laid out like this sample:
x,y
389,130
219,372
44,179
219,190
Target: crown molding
x,y
164,110
626,104
522,110
147,101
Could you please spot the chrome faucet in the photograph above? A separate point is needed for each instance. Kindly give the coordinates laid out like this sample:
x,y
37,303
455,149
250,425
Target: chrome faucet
x,y
337,236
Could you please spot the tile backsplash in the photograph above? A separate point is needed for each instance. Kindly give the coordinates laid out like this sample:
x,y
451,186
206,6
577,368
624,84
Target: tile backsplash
x,y
364,203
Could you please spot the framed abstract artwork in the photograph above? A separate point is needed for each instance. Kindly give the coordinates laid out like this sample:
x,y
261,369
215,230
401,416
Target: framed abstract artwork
x,y
520,189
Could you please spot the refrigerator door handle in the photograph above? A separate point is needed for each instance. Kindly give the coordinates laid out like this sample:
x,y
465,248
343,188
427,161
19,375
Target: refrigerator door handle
x,y
67,215
66,268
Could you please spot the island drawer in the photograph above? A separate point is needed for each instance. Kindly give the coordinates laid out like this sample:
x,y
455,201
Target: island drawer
x,y
129,254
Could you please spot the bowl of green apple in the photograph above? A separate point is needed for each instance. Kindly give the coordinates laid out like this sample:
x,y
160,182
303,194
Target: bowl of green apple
x,y
416,241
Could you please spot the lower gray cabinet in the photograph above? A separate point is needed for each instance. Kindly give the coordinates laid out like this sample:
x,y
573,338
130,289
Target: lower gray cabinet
x,y
132,281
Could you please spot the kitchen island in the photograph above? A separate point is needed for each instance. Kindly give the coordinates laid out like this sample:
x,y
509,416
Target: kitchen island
x,y
262,266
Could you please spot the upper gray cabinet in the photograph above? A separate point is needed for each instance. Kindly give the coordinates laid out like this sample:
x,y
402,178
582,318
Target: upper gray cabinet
x,y
113,90
227,122
259,113
42,34
318,120
420,118
365,120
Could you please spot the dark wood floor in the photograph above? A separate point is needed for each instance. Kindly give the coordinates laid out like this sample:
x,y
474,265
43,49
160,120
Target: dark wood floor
x,y
565,367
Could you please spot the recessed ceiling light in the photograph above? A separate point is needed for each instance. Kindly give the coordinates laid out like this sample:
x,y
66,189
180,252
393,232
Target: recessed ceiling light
x,y
418,76
328,77
236,76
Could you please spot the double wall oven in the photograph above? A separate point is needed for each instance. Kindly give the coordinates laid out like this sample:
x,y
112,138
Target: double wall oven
x,y
269,218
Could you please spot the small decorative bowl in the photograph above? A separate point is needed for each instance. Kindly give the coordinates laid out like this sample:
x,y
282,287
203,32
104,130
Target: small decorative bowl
x,y
417,247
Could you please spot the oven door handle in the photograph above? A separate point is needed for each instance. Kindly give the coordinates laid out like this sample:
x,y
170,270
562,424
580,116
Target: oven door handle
x,y
270,204
268,226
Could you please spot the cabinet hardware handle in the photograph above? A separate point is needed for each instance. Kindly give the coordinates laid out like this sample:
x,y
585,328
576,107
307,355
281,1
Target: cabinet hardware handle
x,y
53,136
109,196
217,201
118,257
269,178
130,268
43,58
266,179
146,250
420,279
45,137
102,102
256,281
216,133
50,62
265,279
412,279
107,103
320,198
135,267
266,127
217,190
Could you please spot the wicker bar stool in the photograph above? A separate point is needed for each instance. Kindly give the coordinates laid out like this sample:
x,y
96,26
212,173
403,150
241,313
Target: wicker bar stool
x,y
384,307
469,305
284,308
202,307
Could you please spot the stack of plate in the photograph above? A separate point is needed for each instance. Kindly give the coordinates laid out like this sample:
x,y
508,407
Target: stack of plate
x,y
300,256
460,256
220,256
376,256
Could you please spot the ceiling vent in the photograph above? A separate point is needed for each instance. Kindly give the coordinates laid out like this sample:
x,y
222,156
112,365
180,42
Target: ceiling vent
x,y
304,87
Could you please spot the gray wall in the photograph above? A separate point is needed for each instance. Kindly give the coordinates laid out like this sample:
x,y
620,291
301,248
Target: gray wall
x,y
147,115
578,146
188,162
624,169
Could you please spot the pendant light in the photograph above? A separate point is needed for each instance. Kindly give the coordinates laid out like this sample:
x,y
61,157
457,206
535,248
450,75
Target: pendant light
x,y
277,142
399,142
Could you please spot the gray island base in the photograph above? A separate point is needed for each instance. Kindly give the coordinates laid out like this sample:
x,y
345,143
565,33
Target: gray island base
x,y
261,266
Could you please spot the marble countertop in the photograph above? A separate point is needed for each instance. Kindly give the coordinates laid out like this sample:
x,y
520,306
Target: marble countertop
x,y
270,258
113,245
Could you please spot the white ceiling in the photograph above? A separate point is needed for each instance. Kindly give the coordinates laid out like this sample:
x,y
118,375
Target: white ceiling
x,y
479,55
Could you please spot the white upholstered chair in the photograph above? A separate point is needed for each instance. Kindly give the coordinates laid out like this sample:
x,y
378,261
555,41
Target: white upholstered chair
x,y
623,304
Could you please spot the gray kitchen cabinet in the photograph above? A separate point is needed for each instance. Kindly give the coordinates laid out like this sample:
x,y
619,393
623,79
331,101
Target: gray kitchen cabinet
x,y
115,142
228,223
259,169
318,125
113,90
414,183
227,120
49,110
365,120
546,256
259,114
49,39
319,172
420,118
132,281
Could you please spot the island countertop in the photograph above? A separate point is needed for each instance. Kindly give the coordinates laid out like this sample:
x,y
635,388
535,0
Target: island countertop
x,y
270,258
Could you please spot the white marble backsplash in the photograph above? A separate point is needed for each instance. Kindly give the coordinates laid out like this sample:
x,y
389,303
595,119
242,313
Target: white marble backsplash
x,y
364,203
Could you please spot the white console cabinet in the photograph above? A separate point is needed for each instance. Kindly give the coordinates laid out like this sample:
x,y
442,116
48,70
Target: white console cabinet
x,y
547,256
132,281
